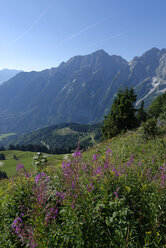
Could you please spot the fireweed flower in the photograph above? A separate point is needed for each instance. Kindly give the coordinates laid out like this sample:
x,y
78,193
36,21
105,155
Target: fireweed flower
x,y
106,165
61,195
116,194
77,154
95,157
115,172
73,185
63,164
51,214
163,175
28,175
140,162
85,167
66,165
90,187
39,176
19,167
17,225
98,170
108,151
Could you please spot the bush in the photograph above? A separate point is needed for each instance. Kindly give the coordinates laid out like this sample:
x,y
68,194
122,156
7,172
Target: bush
x,y
149,129
3,175
2,156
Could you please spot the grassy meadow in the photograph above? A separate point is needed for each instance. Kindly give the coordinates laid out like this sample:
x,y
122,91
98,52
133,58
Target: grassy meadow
x,y
13,158
5,135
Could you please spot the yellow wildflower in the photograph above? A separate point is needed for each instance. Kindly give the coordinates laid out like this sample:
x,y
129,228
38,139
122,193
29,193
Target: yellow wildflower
x,y
128,188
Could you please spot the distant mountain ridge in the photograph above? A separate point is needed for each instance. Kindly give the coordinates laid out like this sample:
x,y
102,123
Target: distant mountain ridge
x,y
62,138
7,74
80,90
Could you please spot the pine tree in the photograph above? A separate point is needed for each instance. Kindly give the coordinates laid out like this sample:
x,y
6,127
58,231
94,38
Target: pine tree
x,y
122,115
141,115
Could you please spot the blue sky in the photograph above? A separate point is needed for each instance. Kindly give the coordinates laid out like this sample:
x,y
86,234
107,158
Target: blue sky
x,y
40,34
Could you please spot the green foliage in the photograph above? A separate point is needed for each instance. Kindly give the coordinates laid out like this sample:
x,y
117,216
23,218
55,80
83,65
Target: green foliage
x,y
157,106
162,115
58,139
149,129
25,158
3,175
2,156
122,115
114,197
39,162
141,114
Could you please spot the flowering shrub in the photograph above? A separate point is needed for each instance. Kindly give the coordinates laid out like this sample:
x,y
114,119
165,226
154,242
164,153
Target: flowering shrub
x,y
98,201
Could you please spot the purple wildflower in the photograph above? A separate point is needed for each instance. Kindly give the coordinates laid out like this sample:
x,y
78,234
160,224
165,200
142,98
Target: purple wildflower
x,y
17,225
19,167
90,187
116,172
116,194
77,154
95,157
37,178
106,165
98,170
61,195
140,162
108,151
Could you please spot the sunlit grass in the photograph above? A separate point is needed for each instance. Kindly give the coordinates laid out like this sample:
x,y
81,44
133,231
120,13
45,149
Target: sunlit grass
x,y
5,135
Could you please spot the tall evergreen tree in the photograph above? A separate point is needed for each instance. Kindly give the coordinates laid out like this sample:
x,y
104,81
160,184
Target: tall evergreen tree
x,y
122,115
157,106
141,114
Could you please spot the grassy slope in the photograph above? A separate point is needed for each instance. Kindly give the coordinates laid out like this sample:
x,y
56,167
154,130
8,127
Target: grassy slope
x,y
25,158
131,144
123,146
5,135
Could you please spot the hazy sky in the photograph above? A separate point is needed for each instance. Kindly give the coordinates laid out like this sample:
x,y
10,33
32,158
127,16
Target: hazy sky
x,y
40,34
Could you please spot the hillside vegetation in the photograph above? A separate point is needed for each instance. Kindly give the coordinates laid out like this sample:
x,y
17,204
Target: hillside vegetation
x,y
63,138
13,158
112,195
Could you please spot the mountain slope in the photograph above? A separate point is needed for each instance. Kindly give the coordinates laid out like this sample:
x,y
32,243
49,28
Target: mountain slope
x,y
80,90
6,74
62,138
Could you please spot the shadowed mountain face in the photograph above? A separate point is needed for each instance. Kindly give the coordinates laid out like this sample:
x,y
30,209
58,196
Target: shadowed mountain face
x,y
80,90
7,74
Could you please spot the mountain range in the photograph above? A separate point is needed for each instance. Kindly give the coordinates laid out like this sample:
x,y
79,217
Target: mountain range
x,y
7,74
80,90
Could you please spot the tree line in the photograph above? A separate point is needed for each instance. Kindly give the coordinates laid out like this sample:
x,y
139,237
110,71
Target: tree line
x,y
124,116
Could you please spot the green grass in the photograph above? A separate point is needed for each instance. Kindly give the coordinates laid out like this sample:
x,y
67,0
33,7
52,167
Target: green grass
x,y
65,131
125,145
26,158
5,135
